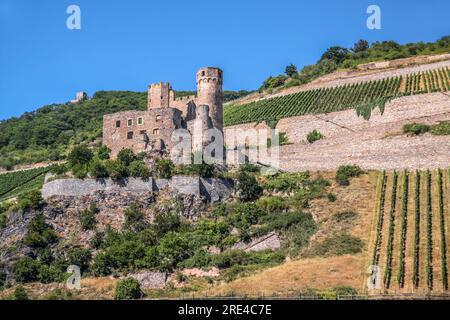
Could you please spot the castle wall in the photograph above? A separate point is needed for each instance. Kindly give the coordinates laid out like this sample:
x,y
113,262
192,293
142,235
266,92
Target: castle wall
x,y
157,124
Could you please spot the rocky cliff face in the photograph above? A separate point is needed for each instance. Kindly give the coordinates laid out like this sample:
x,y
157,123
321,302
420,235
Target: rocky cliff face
x,y
63,214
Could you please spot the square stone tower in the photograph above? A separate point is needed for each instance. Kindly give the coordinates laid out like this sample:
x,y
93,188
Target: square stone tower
x,y
159,95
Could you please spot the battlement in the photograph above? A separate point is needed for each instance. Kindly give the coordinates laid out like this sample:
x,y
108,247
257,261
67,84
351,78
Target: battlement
x,y
159,95
210,74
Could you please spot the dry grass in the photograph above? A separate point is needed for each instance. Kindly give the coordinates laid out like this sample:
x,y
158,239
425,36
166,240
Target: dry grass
x,y
296,276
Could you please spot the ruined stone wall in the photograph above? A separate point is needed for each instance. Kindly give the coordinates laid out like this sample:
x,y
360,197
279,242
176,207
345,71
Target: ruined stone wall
x,y
146,129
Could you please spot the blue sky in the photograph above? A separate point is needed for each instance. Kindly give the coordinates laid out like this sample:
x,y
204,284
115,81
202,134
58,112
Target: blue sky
x,y
125,45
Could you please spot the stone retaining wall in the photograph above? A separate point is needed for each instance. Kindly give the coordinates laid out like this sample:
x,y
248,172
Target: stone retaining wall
x,y
212,189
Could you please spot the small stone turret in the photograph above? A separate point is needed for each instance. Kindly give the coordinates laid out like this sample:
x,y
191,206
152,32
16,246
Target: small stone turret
x,y
209,92
159,95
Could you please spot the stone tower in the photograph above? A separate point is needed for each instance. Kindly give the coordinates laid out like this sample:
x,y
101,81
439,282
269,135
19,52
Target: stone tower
x,y
209,92
159,95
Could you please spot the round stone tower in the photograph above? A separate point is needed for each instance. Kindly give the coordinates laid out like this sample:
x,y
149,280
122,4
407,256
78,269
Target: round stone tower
x,y
209,92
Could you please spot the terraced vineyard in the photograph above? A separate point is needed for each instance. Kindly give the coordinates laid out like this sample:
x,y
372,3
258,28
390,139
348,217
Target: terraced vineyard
x,y
411,241
339,98
15,183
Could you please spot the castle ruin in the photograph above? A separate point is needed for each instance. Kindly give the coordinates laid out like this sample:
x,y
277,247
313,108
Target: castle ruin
x,y
151,130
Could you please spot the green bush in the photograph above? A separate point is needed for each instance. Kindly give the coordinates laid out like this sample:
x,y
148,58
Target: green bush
x,y
80,257
98,169
30,200
3,221
441,129
116,169
249,167
26,270
40,234
134,219
243,215
272,204
80,155
286,182
126,156
344,173
164,169
314,136
20,293
80,171
138,169
128,289
87,218
415,128
248,188
103,153
237,257
331,197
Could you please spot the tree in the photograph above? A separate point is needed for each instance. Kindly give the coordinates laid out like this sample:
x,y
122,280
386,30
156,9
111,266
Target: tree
x,y
336,54
291,70
103,152
80,155
128,289
134,219
98,169
360,46
248,188
80,257
116,169
126,156
164,168
138,169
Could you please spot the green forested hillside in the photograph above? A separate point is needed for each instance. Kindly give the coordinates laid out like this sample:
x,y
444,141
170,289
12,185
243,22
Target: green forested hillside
x,y
47,133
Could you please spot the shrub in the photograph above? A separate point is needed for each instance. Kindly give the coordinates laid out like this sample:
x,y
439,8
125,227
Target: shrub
x,y
80,155
80,257
26,270
164,169
98,169
415,128
3,221
243,215
103,153
331,197
249,167
80,171
102,264
138,169
59,169
286,182
128,289
116,169
126,156
134,218
344,173
272,204
30,200
40,234
165,222
20,293
87,218
314,136
441,129
248,188
97,240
